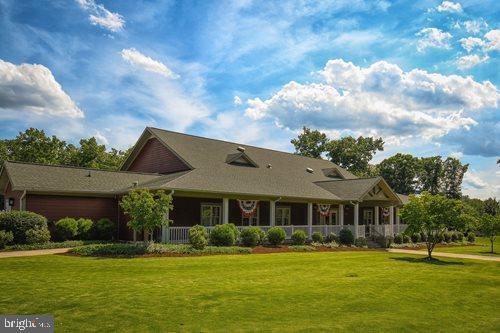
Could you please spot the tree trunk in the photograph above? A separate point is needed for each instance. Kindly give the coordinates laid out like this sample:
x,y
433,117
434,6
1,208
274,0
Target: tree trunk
x,y
492,240
429,250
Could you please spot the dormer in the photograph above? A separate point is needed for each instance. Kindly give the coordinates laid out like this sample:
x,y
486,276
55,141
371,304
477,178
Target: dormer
x,y
240,159
333,173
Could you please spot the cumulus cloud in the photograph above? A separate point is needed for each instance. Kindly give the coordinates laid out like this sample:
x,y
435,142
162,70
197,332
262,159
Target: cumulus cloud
x,y
474,27
470,43
469,61
33,89
237,100
471,179
102,17
493,40
380,99
138,59
433,37
449,6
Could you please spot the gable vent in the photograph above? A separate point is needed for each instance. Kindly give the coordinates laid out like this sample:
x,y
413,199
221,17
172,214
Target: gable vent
x,y
240,149
269,166
310,170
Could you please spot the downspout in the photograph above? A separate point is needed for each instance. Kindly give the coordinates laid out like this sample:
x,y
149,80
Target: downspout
x,y
21,208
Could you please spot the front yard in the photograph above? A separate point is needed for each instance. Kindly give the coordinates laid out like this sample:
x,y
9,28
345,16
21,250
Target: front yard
x,y
329,291
482,247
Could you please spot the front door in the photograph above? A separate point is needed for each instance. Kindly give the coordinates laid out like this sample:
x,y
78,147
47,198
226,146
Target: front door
x,y
367,220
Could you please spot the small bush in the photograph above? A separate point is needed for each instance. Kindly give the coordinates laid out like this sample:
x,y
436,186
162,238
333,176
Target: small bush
x,y
454,237
447,237
117,249
49,245
6,237
276,236
18,222
439,238
84,228
251,236
299,237
360,242
224,235
198,237
66,228
37,236
406,239
302,248
415,238
346,237
460,237
385,241
471,237
398,239
331,238
423,236
104,229
317,237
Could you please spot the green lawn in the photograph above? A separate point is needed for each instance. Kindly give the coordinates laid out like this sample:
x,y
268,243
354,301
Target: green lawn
x,y
482,247
364,291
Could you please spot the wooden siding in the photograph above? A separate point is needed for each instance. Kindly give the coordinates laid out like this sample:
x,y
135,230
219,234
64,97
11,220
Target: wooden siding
x,y
13,194
156,158
55,207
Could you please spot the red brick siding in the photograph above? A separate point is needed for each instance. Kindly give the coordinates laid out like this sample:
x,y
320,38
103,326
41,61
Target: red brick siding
x,y
55,207
155,157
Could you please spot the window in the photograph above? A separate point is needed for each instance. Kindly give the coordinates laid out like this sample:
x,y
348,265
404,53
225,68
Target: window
x,y
329,219
283,215
210,214
368,216
252,220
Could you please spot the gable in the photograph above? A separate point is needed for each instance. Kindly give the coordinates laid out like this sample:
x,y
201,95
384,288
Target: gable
x,y
240,159
154,157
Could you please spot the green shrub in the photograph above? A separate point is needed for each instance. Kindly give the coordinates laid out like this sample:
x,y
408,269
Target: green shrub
x,y
471,237
185,249
439,238
18,222
454,237
406,239
317,237
398,239
385,241
117,249
423,236
447,237
331,238
224,235
37,236
251,236
198,237
460,237
302,248
299,237
104,229
415,238
66,228
346,237
84,228
6,237
360,242
49,245
276,236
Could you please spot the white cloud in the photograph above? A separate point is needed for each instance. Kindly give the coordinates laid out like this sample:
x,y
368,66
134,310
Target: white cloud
x,y
474,27
33,89
433,37
136,58
449,6
470,43
100,16
470,61
101,138
471,179
237,100
457,155
380,99
493,38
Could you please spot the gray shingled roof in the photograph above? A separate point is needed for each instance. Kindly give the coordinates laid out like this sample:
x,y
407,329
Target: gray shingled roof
x,y
63,179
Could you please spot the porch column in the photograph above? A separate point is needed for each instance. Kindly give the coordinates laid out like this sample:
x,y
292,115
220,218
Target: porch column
x,y
310,218
396,209
135,236
356,220
341,214
225,210
376,215
391,218
272,213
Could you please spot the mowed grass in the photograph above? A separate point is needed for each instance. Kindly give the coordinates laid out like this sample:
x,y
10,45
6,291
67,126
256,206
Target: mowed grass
x,y
482,247
364,291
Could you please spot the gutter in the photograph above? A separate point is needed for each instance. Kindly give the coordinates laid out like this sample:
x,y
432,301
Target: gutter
x,y
21,201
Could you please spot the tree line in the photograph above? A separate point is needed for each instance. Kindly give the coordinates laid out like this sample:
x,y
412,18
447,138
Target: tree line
x,y
34,146
405,173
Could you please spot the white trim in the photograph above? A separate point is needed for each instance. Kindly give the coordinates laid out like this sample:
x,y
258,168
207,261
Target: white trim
x,y
211,205
225,210
289,208
356,220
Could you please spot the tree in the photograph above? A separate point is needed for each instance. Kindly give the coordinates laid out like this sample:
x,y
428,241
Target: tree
x,y
490,227
491,206
430,174
432,215
453,175
147,210
400,172
310,143
354,154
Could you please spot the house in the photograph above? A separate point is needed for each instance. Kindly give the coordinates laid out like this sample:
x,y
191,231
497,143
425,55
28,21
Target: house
x,y
212,182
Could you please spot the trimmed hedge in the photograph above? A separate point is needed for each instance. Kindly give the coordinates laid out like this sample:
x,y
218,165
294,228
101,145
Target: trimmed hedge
x,y
276,236
252,236
317,237
6,237
105,229
346,237
331,238
198,237
66,228
37,236
224,235
18,222
471,237
116,249
49,245
361,242
84,228
299,237
398,239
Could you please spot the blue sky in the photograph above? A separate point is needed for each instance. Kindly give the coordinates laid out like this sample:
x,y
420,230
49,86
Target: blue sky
x,y
421,74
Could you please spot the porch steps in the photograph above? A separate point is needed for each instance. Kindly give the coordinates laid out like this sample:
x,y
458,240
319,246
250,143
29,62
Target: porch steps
x,y
372,244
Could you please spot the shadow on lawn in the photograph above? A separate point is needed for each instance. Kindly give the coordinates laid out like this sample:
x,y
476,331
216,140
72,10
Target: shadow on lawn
x,y
426,260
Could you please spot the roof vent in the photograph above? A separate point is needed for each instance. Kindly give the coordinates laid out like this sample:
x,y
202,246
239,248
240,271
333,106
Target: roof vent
x,y
269,166
135,184
240,148
309,170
